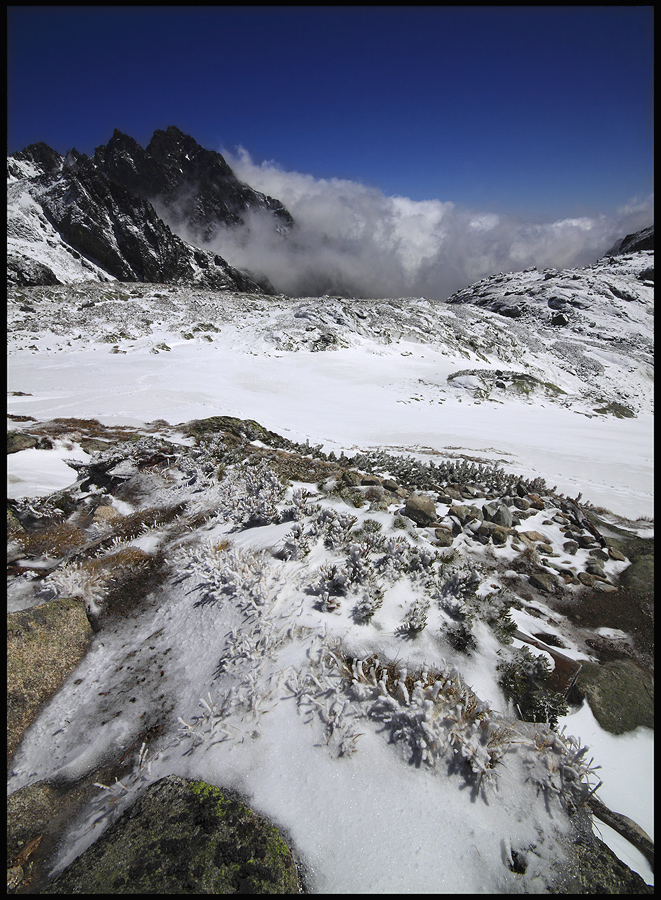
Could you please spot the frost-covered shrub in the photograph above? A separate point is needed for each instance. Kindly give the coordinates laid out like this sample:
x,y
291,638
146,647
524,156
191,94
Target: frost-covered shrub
x,y
421,560
461,637
334,527
242,575
453,590
263,491
333,580
523,680
359,566
369,533
395,559
294,545
79,582
367,605
300,506
431,713
415,619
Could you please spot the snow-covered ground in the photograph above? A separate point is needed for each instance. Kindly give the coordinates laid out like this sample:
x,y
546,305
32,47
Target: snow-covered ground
x,y
347,375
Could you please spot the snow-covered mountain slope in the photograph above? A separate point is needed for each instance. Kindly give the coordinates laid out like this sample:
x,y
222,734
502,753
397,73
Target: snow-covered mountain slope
x,y
67,223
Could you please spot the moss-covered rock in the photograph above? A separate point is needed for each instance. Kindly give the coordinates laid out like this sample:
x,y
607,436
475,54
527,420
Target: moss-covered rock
x,y
620,694
17,441
44,644
242,428
639,576
184,837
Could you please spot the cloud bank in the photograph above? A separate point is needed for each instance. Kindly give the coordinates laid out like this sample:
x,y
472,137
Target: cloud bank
x,y
354,241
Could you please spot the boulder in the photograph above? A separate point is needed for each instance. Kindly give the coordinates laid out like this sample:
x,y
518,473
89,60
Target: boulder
x,y
183,837
466,514
444,536
498,513
639,576
17,441
543,582
421,509
620,694
44,644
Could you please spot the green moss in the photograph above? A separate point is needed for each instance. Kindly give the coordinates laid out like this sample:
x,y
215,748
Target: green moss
x,y
619,410
553,387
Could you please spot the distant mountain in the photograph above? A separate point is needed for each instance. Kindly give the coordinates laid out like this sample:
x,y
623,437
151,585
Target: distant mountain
x,y
74,218
195,186
632,243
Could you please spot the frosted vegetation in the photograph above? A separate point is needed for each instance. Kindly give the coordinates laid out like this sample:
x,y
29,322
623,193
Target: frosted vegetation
x,y
299,639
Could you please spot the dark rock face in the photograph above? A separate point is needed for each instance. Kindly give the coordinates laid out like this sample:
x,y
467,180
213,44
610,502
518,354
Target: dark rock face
x,y
41,155
101,210
196,186
183,837
633,243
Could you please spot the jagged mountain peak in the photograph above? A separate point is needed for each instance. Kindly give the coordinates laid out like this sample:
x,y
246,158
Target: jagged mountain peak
x,y
41,155
194,188
80,219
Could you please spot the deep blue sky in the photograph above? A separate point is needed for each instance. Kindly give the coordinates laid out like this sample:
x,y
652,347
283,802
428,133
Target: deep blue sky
x,y
537,111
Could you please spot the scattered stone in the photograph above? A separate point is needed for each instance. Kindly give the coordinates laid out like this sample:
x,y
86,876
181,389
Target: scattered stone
x,y
390,485
543,582
498,513
497,533
521,503
598,553
183,837
587,542
532,537
595,567
616,554
351,478
449,494
421,509
466,514
570,547
536,501
371,480
586,579
444,536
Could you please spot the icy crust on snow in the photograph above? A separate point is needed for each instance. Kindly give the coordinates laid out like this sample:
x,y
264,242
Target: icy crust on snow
x,y
298,653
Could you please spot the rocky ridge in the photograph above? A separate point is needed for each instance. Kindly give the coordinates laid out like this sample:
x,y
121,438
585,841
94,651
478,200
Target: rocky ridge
x,y
74,218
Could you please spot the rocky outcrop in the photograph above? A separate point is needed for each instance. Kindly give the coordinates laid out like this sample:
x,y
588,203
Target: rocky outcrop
x,y
633,243
620,694
76,218
195,187
184,837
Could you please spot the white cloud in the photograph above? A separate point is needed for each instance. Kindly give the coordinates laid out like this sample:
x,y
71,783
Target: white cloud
x,y
354,240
